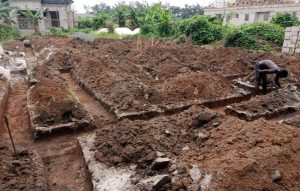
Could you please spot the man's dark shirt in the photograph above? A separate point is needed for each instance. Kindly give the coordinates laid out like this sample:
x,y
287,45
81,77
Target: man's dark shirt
x,y
266,66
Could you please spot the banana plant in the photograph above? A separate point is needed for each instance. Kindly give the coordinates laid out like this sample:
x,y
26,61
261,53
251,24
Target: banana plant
x,y
7,14
34,17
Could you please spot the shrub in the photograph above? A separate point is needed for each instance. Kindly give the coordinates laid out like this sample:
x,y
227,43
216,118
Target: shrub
x,y
285,20
99,20
202,29
240,39
85,23
265,31
8,32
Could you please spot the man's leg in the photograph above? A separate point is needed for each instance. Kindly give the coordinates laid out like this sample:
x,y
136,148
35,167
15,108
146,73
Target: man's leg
x,y
264,82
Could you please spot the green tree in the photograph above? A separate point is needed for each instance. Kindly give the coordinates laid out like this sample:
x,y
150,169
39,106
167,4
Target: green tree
x,y
98,9
285,20
34,17
120,13
158,21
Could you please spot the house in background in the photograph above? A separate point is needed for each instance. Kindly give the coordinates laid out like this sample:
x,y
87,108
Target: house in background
x,y
239,12
57,13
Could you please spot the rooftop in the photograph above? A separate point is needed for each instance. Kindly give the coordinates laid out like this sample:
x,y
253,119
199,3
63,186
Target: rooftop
x,y
56,1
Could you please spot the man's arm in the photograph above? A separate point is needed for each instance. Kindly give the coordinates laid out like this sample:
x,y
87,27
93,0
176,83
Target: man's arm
x,y
267,71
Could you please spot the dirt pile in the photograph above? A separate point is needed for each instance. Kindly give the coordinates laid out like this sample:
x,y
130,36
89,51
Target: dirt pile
x,y
293,121
51,103
200,148
135,141
22,173
275,103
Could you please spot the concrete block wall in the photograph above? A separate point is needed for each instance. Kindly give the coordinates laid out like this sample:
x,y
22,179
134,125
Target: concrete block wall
x,y
291,43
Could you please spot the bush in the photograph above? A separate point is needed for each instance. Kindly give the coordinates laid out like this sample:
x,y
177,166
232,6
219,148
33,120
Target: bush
x,y
201,29
99,21
8,32
85,23
257,36
265,31
285,20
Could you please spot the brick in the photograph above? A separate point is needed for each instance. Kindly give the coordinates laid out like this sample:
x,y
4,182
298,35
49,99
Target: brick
x,y
295,29
288,29
285,50
297,50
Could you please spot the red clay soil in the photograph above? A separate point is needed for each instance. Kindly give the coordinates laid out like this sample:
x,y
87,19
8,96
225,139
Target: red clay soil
x,y
22,173
51,101
239,155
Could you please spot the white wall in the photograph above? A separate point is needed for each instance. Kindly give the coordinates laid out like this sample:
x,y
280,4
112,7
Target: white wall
x,y
252,12
65,13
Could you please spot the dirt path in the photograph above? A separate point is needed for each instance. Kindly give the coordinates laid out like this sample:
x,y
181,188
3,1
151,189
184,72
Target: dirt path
x,y
98,112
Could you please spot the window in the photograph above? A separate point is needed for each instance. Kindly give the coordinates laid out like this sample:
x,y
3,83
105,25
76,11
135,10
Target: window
x,y
23,22
219,16
237,16
55,22
247,17
266,16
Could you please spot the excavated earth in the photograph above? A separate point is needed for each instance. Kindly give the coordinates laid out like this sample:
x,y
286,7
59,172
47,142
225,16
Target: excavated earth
x,y
154,128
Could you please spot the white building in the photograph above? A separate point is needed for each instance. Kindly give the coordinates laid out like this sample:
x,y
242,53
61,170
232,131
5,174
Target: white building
x,y
248,11
57,13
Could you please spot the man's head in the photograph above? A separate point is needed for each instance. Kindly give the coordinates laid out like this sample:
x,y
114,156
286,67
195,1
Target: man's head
x,y
283,74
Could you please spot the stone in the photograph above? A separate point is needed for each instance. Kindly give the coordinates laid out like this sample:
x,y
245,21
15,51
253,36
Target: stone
x,y
151,156
195,173
203,137
206,181
99,156
215,124
167,132
202,119
181,169
173,168
276,176
156,182
160,154
160,163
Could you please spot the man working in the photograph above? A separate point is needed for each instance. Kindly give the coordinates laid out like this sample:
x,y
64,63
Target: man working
x,y
265,67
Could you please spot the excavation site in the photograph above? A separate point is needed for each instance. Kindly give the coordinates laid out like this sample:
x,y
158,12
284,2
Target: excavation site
x,y
140,114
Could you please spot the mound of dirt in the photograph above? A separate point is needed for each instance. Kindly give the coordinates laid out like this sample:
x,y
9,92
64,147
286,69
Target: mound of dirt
x,y
51,103
195,87
229,154
23,173
137,141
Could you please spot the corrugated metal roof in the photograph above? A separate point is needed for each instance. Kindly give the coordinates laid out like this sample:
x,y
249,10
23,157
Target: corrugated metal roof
x,y
57,1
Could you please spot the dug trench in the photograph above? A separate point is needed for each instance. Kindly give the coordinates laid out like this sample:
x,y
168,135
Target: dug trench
x,y
62,158
230,156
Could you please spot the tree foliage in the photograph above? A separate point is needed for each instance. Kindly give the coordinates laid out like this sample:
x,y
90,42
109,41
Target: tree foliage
x,y
285,20
201,29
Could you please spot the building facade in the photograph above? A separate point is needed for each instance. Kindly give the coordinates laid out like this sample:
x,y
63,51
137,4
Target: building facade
x,y
239,14
56,13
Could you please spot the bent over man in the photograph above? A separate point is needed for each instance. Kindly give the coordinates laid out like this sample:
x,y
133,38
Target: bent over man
x,y
265,67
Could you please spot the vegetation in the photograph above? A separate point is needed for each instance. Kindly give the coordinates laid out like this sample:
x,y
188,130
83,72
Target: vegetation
x,y
285,20
7,31
34,17
201,29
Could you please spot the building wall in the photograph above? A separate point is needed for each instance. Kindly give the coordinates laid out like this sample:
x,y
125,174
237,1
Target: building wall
x,y
253,12
291,43
66,14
